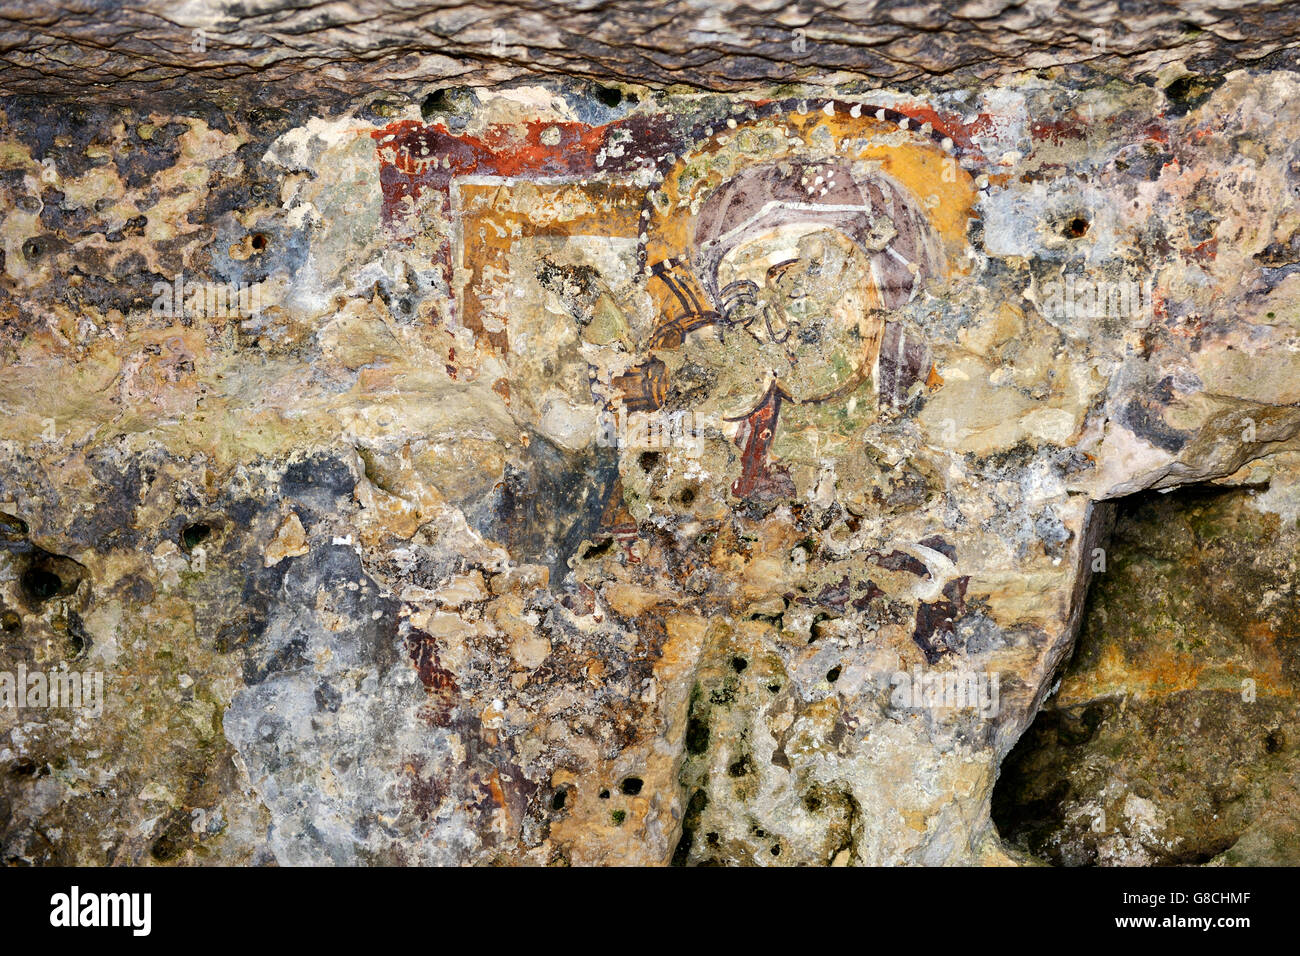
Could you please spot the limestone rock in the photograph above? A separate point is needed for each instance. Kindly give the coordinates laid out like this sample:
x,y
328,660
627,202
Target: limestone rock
x,y
367,45
533,473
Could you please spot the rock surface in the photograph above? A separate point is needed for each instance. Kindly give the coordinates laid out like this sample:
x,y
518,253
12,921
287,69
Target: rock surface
x,y
552,474
1171,738
344,49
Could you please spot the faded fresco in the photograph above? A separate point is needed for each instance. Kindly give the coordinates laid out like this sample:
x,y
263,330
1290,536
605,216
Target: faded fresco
x,y
560,473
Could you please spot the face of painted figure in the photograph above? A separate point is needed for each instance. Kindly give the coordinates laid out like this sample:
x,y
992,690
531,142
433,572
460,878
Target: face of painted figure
x,y
808,298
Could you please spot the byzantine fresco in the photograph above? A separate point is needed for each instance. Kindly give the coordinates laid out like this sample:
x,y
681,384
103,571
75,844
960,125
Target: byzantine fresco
x,y
721,330
756,275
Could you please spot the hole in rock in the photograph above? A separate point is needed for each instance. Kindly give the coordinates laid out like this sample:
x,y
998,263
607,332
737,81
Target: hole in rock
x,y
439,101
12,527
1076,228
45,576
193,535
596,550
632,786
1189,91
1169,738
41,584
695,808
78,640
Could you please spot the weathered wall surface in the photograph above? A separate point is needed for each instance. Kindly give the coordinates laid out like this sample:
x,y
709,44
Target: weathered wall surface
x,y
1170,739
249,50
556,474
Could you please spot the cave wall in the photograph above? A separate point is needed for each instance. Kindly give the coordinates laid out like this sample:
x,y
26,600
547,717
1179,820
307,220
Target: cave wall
x,y
556,473
1170,739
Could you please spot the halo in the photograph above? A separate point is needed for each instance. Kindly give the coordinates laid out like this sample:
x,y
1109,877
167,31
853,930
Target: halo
x,y
892,149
